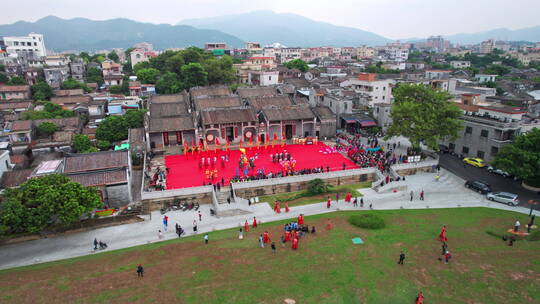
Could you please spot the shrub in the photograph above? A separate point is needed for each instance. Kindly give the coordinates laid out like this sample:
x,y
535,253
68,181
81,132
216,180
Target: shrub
x,y
317,186
103,144
368,221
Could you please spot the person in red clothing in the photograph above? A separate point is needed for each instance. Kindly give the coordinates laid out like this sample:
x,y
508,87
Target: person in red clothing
x,y
328,203
420,298
442,235
246,226
266,237
278,207
275,206
348,197
286,207
295,243
300,220
254,225
328,224
287,236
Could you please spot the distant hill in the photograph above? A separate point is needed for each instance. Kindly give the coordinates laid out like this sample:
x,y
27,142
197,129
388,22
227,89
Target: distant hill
x,y
84,34
525,34
291,30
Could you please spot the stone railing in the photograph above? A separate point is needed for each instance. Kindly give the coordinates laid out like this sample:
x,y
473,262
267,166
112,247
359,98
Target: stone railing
x,y
301,178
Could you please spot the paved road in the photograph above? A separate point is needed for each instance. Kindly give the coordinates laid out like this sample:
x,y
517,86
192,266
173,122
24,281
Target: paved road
x,y
497,182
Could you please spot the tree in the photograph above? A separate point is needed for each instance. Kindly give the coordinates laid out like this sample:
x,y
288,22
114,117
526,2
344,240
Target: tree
x,y
81,143
169,84
219,71
72,84
47,128
127,52
497,69
149,75
115,89
113,128
134,118
46,201
94,75
42,91
522,158
16,80
423,115
192,55
3,78
113,56
297,64
50,110
141,65
85,56
174,63
194,75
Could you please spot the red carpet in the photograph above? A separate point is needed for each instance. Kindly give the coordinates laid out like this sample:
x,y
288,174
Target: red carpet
x,y
184,170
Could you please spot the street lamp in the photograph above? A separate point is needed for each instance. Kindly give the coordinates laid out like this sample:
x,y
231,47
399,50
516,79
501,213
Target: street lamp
x,y
532,203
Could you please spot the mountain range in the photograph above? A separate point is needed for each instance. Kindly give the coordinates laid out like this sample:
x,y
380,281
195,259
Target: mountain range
x,y
525,34
291,30
265,27
84,34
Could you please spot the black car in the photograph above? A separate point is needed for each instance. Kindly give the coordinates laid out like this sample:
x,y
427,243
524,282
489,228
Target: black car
x,y
478,186
444,149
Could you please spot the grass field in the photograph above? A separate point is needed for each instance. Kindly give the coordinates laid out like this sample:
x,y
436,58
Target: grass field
x,y
342,190
327,268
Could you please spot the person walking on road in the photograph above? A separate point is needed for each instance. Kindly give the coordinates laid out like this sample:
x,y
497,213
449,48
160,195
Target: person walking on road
x,y
273,246
95,243
200,216
412,195
194,226
422,195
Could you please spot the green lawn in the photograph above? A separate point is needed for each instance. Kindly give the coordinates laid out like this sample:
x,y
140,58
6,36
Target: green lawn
x,y
327,268
342,190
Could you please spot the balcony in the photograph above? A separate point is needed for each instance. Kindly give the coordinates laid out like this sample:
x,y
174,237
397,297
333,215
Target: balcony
x,y
493,122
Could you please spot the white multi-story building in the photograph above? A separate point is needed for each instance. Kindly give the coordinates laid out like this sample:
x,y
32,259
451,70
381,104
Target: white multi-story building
x,y
460,64
487,46
370,89
31,43
397,53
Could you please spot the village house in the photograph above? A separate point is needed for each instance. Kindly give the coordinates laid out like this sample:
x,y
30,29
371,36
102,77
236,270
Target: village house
x,y
109,172
15,107
140,90
71,102
55,75
31,75
248,92
259,103
288,122
14,92
325,122
169,121
71,92
67,128
140,55
19,133
232,124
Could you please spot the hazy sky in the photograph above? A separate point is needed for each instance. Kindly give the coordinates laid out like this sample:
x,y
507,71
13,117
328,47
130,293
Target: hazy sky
x,y
391,18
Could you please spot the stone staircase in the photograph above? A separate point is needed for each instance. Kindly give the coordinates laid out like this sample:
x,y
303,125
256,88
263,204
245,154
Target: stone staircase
x,y
238,206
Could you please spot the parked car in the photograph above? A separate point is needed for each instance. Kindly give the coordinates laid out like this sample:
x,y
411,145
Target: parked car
x,y
477,162
478,186
498,171
444,149
503,197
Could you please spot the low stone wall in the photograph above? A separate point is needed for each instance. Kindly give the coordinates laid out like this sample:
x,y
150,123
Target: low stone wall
x,y
413,168
299,183
155,200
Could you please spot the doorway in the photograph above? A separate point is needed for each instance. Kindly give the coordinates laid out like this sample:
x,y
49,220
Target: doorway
x,y
288,131
229,133
263,138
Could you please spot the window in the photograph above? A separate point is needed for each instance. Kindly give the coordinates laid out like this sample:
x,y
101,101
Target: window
x,y
480,154
465,150
494,150
384,88
468,130
16,42
451,146
346,106
35,43
484,133
384,97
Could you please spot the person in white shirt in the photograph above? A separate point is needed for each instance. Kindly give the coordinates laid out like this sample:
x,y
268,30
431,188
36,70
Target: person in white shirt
x,y
516,226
